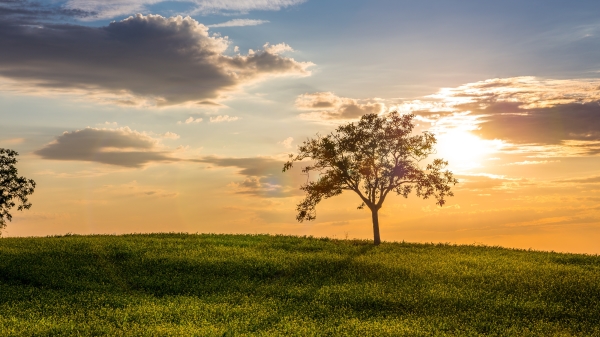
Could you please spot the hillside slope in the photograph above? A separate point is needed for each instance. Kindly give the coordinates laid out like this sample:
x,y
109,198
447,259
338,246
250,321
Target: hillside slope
x,y
215,285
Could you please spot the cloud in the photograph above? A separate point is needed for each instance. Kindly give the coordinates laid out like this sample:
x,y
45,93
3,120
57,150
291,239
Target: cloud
x,y
287,143
251,166
328,106
134,189
12,141
191,120
529,109
263,176
530,92
277,48
142,60
532,162
239,23
30,12
224,118
120,147
587,180
565,149
483,184
169,135
109,9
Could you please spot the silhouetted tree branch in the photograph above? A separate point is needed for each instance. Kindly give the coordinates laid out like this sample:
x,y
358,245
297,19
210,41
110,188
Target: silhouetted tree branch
x,y
12,187
373,157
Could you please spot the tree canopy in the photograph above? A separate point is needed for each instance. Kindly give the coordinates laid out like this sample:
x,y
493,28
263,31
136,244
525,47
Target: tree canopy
x,y
376,156
12,187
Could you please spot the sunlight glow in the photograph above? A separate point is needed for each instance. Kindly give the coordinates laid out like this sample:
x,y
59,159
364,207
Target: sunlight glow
x,y
464,150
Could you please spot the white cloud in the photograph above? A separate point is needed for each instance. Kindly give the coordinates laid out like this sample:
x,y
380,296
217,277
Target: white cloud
x,y
277,48
191,120
239,23
224,118
169,135
287,143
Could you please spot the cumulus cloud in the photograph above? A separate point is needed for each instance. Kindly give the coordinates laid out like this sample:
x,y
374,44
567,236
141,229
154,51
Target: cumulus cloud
x,y
106,9
145,60
224,118
169,135
262,176
327,106
120,147
277,48
191,120
287,143
239,23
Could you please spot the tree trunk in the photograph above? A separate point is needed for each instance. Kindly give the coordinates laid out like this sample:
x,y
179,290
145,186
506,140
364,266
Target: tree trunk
x,y
376,238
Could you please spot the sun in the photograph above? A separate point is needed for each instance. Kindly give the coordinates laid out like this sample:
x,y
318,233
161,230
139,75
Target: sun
x,y
462,149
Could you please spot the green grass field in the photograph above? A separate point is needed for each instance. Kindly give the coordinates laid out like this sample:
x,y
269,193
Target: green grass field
x,y
236,285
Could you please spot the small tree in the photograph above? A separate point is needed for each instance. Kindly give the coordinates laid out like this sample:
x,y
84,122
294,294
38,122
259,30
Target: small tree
x,y
12,187
372,158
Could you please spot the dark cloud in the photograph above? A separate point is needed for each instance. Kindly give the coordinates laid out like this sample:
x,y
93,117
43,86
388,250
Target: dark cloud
x,y
121,147
154,59
252,166
549,125
32,12
263,176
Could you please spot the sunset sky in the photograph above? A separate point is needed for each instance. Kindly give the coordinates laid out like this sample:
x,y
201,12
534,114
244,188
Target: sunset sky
x,y
177,116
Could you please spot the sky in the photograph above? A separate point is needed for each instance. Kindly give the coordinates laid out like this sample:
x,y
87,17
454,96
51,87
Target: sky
x,y
177,116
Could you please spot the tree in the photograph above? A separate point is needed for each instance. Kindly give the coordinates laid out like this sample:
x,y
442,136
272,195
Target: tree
x,y
375,156
12,187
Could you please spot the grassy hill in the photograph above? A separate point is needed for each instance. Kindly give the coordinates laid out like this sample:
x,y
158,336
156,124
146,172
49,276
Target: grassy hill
x,y
215,285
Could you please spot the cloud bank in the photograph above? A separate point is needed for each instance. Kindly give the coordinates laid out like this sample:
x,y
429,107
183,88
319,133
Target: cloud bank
x,y
145,60
528,109
540,116
120,147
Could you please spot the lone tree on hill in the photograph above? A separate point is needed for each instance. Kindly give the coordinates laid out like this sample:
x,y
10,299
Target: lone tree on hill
x,y
372,158
12,187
